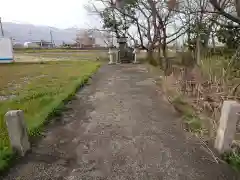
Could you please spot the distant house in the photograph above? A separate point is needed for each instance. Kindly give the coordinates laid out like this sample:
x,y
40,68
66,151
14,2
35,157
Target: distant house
x,y
85,40
39,44
45,44
31,45
17,45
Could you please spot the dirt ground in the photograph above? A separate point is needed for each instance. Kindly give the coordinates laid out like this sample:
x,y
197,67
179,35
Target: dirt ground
x,y
119,127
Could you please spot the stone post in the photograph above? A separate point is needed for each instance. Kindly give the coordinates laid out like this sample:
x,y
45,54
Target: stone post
x,y
136,51
227,127
17,131
111,56
117,56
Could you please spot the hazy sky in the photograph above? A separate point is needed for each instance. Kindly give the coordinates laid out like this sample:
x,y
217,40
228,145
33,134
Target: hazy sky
x,y
56,13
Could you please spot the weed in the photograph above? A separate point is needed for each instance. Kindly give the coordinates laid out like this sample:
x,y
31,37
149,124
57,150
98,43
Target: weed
x,y
192,121
233,159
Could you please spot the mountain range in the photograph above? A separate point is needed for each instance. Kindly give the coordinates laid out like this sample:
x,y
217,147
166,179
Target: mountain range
x,y
22,33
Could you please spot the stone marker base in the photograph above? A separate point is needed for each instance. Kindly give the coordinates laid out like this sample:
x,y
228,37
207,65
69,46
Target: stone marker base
x,y
17,131
228,126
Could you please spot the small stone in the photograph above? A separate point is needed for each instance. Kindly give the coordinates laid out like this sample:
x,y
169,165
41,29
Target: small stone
x,y
71,178
97,173
62,141
75,140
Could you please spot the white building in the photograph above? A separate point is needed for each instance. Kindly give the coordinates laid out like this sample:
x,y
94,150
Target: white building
x,y
6,50
31,45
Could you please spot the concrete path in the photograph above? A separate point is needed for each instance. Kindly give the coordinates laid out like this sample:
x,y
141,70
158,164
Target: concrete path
x,y
119,128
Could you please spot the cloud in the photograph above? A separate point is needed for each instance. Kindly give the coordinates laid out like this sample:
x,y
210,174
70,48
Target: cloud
x,y
61,14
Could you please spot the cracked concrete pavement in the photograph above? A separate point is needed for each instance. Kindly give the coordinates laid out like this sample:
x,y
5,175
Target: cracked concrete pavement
x,y
119,127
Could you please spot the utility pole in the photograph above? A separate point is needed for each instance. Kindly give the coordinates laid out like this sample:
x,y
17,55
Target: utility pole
x,y
30,35
51,38
1,27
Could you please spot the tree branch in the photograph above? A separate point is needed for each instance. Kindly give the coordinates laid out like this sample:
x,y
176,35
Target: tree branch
x,y
216,5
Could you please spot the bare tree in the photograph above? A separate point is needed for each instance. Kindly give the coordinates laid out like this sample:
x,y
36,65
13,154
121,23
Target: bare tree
x,y
220,7
148,21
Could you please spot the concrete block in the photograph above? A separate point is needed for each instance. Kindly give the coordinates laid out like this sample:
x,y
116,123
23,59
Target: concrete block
x,y
17,131
227,126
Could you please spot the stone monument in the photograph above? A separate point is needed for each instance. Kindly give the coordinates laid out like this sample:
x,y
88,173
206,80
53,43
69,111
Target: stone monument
x,y
123,53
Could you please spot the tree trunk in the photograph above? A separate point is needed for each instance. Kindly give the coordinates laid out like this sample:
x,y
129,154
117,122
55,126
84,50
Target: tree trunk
x,y
237,5
206,40
189,39
167,68
159,56
198,50
213,43
164,51
150,57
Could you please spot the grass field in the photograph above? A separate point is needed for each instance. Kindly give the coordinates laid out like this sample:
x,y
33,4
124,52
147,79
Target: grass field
x,y
38,89
61,50
56,56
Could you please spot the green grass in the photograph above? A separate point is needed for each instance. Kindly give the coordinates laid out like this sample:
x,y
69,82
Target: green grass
x,y
214,66
41,93
57,56
193,123
37,50
190,118
233,159
77,55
